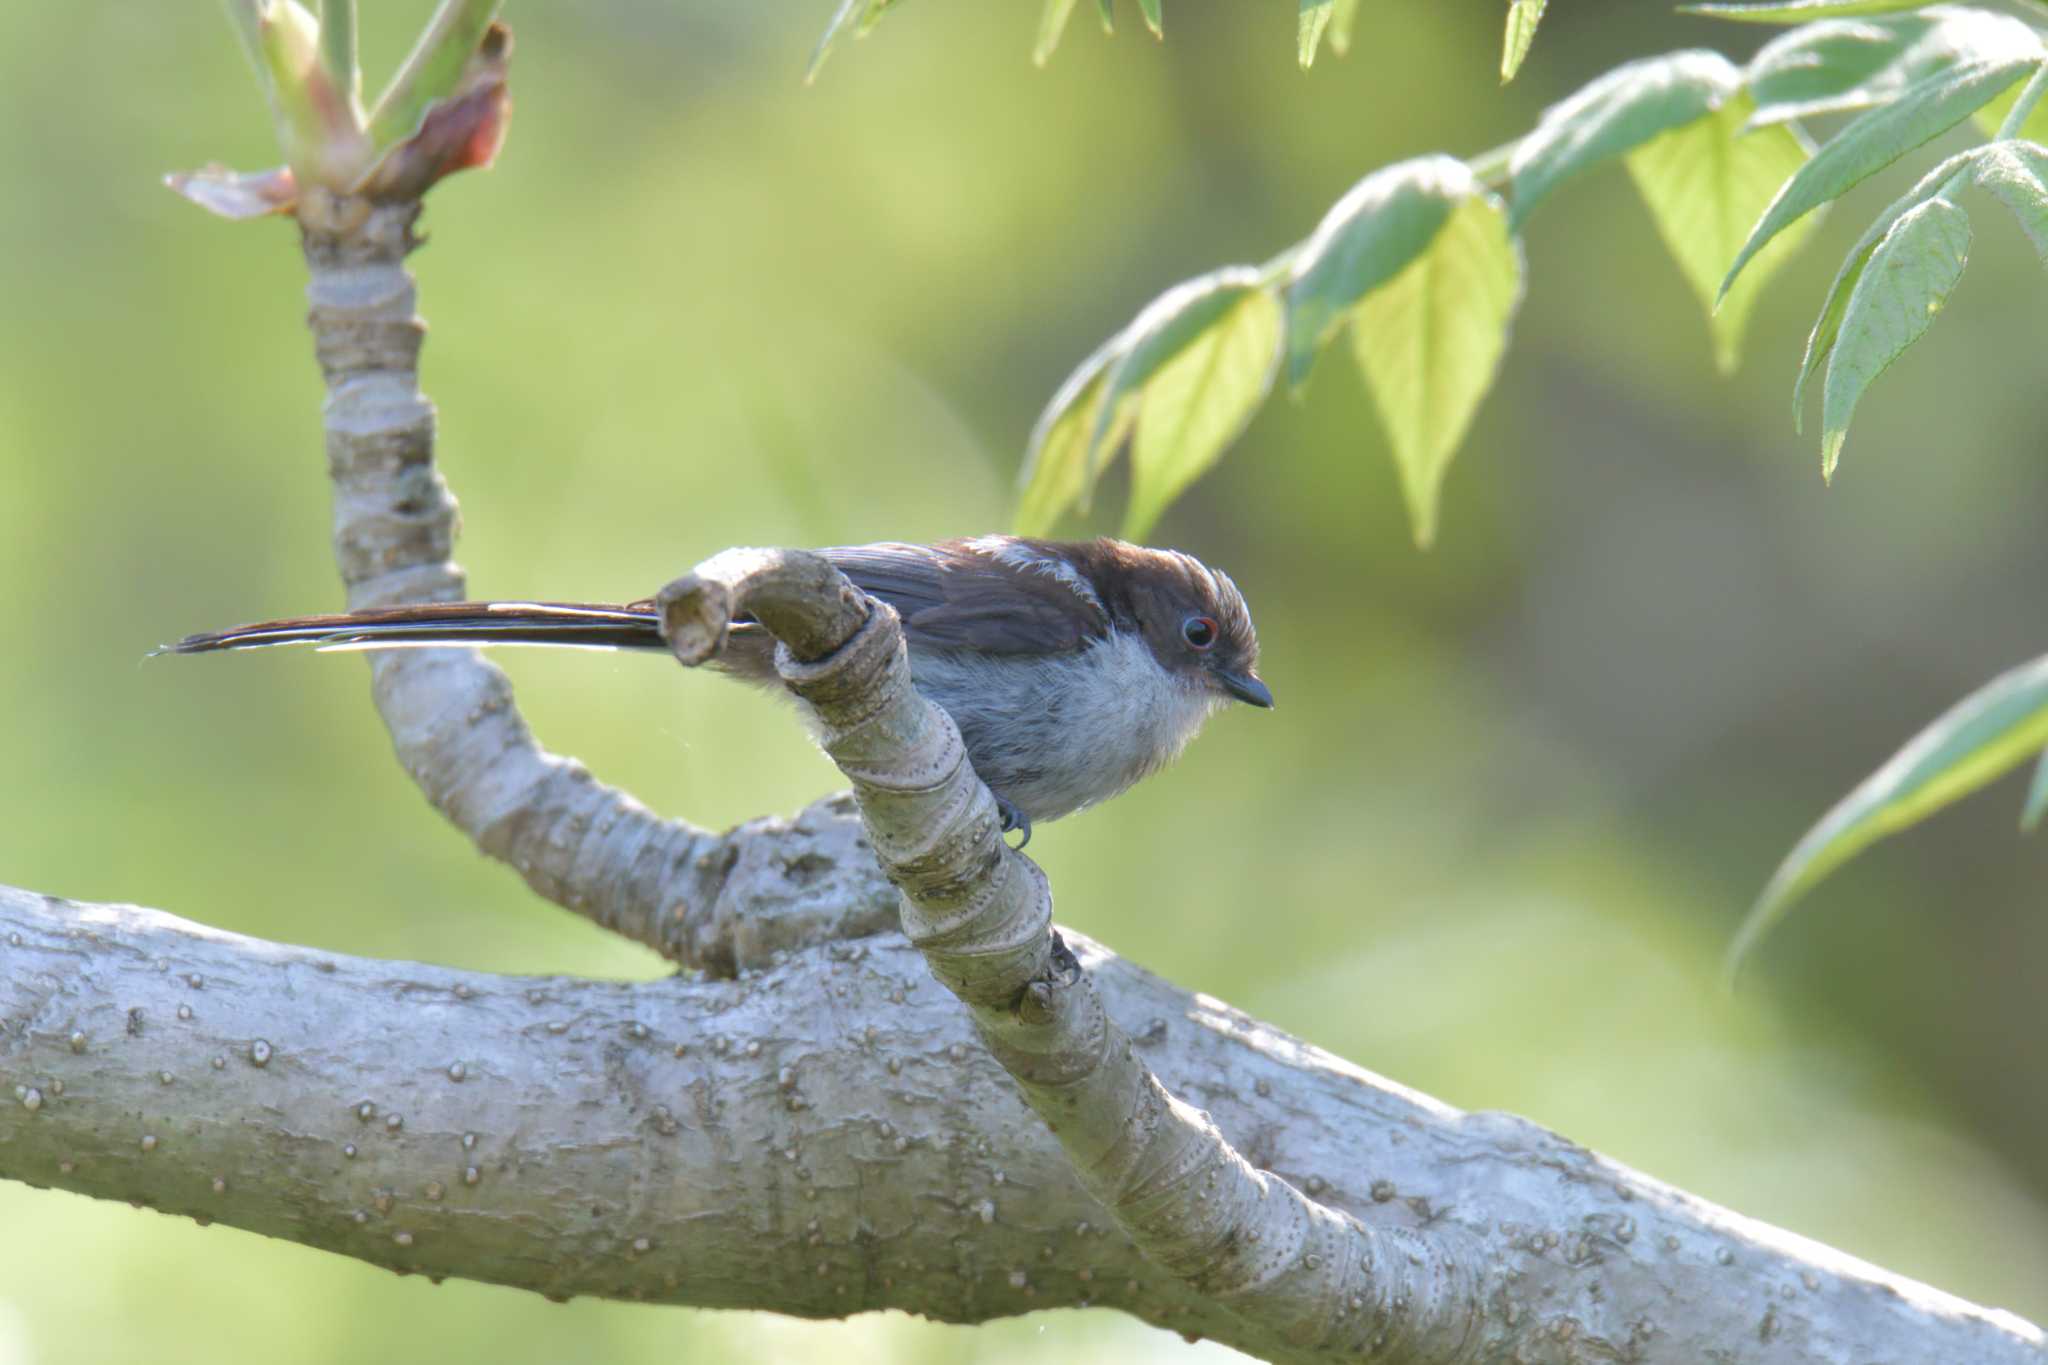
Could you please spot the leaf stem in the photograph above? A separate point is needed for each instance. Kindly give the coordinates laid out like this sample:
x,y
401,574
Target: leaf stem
x,y
1489,168
247,18
431,70
2030,95
338,47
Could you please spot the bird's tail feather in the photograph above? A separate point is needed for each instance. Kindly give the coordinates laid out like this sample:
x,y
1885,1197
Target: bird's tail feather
x,y
591,626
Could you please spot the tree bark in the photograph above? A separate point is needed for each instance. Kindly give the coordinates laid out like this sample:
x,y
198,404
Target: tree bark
x,y
824,1137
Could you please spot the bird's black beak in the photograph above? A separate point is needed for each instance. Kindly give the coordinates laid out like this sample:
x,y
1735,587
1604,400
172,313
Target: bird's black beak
x,y
1247,687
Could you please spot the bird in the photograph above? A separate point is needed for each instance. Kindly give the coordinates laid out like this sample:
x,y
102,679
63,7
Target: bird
x,y
1073,669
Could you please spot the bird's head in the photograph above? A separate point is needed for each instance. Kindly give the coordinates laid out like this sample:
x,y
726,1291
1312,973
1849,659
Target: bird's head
x,y
1195,621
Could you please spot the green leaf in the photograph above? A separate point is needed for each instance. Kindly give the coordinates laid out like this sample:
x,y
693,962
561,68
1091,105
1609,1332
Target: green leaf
x,y
2037,797
432,70
1820,342
1832,65
1055,473
1314,17
1622,109
859,16
1878,138
1199,402
1108,16
1799,11
1429,341
1166,327
2016,174
1974,742
1992,116
1845,64
338,47
1369,236
1905,284
1523,16
1150,9
1705,182
1342,14
872,15
1052,22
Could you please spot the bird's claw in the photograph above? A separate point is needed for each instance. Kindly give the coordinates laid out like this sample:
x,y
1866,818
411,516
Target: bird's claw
x,y
1014,819
1063,960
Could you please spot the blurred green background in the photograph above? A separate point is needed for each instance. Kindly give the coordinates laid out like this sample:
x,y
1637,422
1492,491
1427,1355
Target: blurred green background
x,y
1518,790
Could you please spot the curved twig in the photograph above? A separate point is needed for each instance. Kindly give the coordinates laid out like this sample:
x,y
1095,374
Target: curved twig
x,y
585,845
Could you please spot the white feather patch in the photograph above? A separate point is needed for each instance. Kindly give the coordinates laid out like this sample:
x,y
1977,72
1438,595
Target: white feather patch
x,y
1023,558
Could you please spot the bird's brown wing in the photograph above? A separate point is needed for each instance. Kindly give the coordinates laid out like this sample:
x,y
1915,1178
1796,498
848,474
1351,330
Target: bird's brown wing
x,y
953,596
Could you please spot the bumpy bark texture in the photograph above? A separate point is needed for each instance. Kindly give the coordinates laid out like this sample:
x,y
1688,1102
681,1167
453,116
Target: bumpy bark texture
x,y
829,1136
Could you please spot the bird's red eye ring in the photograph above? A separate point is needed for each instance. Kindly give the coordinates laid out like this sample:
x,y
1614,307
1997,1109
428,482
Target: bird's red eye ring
x,y
1198,631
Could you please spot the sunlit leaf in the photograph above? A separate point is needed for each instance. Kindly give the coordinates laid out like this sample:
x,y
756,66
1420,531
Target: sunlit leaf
x,y
1523,16
1079,433
463,128
1820,342
1314,18
2037,796
871,16
438,66
1343,13
1150,9
1878,138
1430,340
1199,402
857,16
1622,109
1904,286
2016,174
1705,182
1166,327
1055,473
1052,22
1992,117
1103,7
1371,234
1798,11
1974,742
1848,64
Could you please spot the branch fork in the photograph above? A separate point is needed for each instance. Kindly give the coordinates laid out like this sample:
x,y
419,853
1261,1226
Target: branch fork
x,y
1305,1277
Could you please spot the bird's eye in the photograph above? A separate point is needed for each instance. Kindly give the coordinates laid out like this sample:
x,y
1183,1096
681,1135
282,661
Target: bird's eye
x,y
1198,631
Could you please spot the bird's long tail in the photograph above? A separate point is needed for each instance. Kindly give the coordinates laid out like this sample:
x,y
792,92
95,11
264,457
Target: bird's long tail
x,y
591,626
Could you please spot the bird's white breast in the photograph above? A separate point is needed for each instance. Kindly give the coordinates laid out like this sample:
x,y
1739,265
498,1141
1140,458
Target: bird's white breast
x,y
1055,733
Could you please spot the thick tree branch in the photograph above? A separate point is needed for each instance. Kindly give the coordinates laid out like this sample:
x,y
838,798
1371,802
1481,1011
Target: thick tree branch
x,y
820,1138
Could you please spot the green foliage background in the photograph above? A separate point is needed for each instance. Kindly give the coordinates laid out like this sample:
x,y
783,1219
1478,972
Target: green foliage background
x,y
1518,791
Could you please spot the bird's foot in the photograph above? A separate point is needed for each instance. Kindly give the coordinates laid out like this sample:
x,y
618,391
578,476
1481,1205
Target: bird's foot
x,y
1063,959
1013,819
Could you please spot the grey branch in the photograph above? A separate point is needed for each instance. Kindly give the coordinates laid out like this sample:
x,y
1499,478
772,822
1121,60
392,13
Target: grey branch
x,y
824,1137
579,842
